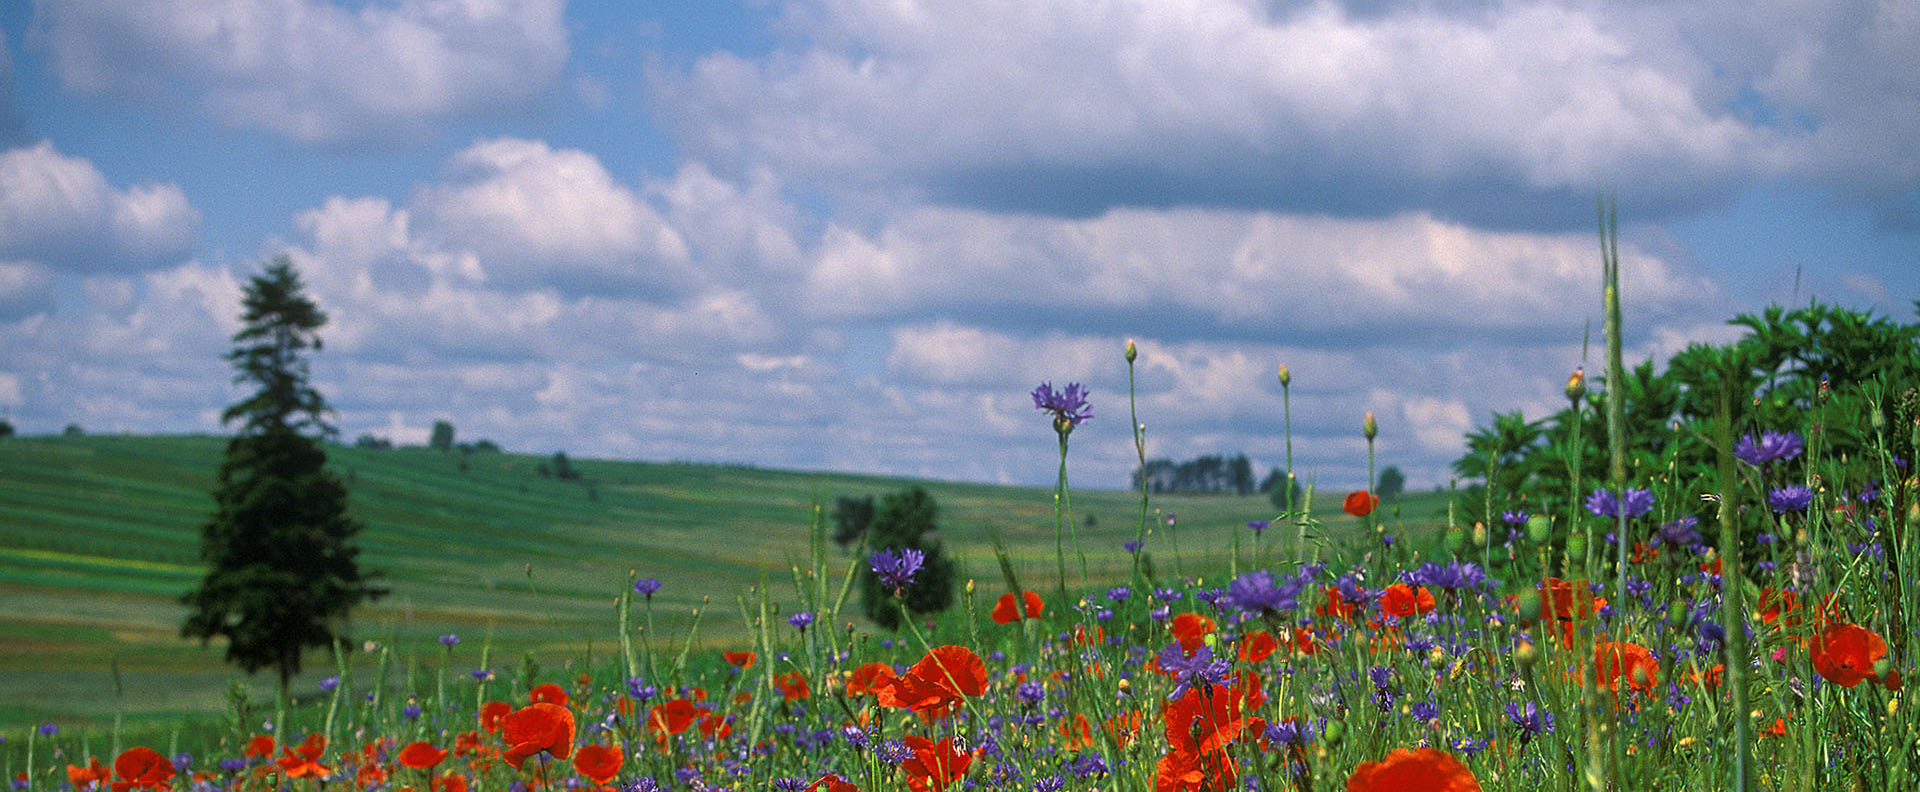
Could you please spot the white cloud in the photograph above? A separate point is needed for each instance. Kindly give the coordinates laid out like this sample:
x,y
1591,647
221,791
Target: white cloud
x,y
1087,104
60,211
309,69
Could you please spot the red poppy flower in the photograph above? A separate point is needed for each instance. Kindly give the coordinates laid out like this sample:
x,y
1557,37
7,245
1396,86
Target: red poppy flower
x,y
1076,730
492,713
1203,721
1191,630
1124,727
1360,503
867,678
1616,660
938,684
370,775
1088,635
536,728
1405,602
259,746
1008,612
548,693
740,660
831,783
934,765
450,782
792,685
1336,606
421,755
1258,646
1566,603
141,767
597,763
89,777
715,726
1417,770
1845,653
304,761
673,717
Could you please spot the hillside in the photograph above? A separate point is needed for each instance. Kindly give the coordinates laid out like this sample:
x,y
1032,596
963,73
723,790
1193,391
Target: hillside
x,y
101,535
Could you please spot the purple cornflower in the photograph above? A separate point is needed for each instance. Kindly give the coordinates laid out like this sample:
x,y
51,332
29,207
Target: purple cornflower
x,y
638,688
1424,711
1772,446
1515,517
1257,526
1455,575
232,765
49,729
481,675
896,569
1087,766
801,620
1531,720
449,640
1792,498
646,587
1603,503
1050,784
1119,594
1290,732
1679,533
1069,406
644,784
1255,592
1201,668
411,711
789,784
327,685
1130,546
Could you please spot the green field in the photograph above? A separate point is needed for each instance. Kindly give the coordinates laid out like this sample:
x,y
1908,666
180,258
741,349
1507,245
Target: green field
x,y
100,535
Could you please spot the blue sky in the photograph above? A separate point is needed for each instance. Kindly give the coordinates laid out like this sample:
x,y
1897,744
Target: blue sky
x,y
853,234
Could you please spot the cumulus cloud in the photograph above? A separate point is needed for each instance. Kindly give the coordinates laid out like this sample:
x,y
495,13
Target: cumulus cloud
x,y
1506,114
1217,273
313,70
60,211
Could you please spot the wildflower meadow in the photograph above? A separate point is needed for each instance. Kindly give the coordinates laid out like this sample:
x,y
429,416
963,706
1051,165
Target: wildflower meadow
x,y
1724,604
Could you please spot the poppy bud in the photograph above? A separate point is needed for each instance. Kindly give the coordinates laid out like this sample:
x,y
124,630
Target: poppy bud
x,y
969,586
1456,540
1529,604
1133,352
1879,421
1677,615
1525,655
1540,528
1577,384
1369,427
1577,546
1286,377
1125,685
1335,730
1882,667
1479,535
1436,658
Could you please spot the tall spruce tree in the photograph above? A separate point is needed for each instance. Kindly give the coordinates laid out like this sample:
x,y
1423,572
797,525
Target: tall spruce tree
x,y
281,570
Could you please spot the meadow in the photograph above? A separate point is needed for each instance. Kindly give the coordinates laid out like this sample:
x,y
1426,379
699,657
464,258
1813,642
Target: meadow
x,y
102,537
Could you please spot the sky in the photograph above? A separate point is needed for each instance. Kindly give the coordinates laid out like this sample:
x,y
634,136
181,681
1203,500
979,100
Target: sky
x,y
854,235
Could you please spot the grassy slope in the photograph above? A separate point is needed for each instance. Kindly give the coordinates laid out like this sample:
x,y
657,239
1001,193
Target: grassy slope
x,y
100,535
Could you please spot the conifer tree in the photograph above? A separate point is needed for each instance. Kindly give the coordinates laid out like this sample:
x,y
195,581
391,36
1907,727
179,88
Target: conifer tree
x,y
281,574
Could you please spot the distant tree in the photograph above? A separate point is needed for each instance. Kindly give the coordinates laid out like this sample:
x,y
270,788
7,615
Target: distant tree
x,y
282,574
851,516
6,429
1391,482
905,520
442,439
372,442
486,446
563,467
1277,494
73,430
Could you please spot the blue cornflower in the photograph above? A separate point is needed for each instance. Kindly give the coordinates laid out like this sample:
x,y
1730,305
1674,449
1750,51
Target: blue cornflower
x,y
1130,546
896,568
481,675
1424,711
1455,575
1792,498
1290,732
1050,784
1515,517
789,784
1087,766
233,765
801,619
328,684
643,784
1256,526
1255,592
49,729
1069,406
646,587
1772,446
411,711
1201,668
449,640
1531,720
1603,503
1119,594
1679,533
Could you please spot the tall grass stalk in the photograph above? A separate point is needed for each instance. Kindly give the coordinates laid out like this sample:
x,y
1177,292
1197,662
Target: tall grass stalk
x,y
1733,611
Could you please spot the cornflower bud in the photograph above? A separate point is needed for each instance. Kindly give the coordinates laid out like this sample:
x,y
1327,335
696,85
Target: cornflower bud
x,y
1133,352
1577,384
1369,427
1286,377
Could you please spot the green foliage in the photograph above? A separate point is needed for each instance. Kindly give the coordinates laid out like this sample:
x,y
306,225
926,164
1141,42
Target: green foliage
x,y
73,430
1777,370
281,570
1277,495
372,443
560,467
442,438
851,516
905,520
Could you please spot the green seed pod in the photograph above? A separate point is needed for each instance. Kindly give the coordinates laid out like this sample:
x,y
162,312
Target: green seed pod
x,y
1881,668
1336,729
1677,615
1456,540
1577,546
1529,604
1539,528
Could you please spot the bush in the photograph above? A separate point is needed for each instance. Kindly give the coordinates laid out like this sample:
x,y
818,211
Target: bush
x,y
905,520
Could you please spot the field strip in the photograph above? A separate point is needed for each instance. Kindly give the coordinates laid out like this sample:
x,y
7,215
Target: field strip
x,y
97,561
